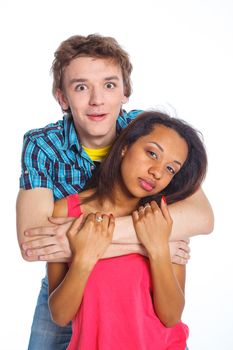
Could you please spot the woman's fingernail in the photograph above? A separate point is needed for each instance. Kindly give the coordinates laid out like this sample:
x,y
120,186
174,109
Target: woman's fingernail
x,y
164,199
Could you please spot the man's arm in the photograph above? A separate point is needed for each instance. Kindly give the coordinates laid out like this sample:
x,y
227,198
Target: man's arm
x,y
192,216
48,242
33,208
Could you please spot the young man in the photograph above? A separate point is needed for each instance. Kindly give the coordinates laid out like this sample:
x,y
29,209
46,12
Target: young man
x,y
91,83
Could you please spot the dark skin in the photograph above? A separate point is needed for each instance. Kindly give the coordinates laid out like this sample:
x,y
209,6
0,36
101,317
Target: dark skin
x,y
89,242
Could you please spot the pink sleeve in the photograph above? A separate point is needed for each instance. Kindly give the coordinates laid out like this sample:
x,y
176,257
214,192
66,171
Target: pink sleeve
x,y
73,205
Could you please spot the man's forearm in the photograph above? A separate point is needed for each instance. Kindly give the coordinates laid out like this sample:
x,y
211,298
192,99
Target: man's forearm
x,y
115,250
124,232
192,216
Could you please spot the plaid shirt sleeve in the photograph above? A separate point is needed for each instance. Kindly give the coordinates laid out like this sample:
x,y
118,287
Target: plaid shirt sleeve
x,y
36,166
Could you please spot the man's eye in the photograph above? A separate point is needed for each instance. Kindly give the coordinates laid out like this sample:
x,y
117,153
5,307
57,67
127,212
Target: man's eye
x,y
80,87
171,170
110,85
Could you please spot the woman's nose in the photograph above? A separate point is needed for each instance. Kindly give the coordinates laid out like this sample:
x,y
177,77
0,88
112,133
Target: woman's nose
x,y
157,172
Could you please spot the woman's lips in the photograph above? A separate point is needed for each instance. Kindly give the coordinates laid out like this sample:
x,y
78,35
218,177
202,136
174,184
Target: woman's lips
x,y
146,184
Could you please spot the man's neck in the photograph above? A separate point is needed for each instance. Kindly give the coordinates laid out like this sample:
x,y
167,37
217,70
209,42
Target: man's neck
x,y
97,142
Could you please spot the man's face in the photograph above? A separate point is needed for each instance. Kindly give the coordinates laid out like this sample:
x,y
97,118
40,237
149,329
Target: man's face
x,y
93,90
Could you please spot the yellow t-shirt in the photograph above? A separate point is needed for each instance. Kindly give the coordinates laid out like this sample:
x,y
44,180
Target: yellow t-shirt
x,y
97,155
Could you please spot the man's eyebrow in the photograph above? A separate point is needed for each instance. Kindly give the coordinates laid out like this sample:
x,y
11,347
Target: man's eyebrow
x,y
162,150
76,80
112,77
84,80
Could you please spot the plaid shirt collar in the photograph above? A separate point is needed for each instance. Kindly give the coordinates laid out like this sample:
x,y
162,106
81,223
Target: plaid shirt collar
x,y
71,138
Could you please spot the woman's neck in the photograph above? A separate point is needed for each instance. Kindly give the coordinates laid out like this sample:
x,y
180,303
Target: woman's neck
x,y
119,204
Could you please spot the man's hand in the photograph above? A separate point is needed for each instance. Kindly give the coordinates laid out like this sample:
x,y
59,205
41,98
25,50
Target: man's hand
x,y
179,251
52,243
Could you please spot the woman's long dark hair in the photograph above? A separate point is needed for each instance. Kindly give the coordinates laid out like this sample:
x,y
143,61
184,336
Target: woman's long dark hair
x,y
183,184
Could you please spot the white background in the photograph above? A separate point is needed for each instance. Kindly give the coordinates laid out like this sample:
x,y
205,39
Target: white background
x,y
183,57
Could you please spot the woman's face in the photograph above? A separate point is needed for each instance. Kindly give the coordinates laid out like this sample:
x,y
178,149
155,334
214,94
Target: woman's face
x,y
150,164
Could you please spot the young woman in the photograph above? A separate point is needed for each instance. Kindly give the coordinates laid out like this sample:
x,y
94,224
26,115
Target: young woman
x,y
129,302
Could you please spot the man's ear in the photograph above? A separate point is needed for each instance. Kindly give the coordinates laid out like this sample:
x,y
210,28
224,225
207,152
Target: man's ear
x,y
124,100
60,96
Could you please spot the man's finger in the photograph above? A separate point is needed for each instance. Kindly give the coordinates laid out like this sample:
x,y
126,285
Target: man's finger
x,y
40,231
38,243
61,220
184,246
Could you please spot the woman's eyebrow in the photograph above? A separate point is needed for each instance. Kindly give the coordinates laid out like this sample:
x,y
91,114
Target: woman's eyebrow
x,y
158,145
162,150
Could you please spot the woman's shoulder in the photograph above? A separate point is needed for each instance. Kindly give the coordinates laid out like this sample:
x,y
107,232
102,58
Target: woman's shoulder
x,y
73,205
60,208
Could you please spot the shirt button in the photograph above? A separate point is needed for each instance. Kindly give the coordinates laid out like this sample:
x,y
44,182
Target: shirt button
x,y
26,172
59,127
92,167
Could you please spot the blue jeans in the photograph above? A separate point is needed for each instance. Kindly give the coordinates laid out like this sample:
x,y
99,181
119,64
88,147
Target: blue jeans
x,y
45,334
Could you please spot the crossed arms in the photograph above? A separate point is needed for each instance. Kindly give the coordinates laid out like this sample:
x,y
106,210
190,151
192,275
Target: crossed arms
x,y
41,238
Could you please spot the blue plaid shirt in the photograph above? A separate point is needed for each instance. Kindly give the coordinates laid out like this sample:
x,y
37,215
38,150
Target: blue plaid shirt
x,y
53,157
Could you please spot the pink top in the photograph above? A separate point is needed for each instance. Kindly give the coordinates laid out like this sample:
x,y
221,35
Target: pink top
x,y
117,308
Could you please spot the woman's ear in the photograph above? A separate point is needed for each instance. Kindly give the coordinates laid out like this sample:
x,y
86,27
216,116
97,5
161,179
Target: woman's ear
x,y
124,150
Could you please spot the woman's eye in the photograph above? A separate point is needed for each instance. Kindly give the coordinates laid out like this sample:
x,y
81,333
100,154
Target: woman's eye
x,y
171,170
81,87
153,154
110,85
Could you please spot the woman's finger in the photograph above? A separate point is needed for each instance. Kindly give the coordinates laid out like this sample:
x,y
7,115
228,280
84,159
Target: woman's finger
x,y
140,212
111,224
154,206
135,216
75,226
147,208
104,223
165,210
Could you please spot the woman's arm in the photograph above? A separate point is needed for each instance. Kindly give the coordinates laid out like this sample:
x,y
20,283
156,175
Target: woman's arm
x,y
168,288
153,227
66,285
87,244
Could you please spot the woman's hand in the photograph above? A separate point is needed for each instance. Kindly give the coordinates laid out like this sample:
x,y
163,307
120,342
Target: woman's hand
x,y
153,226
89,241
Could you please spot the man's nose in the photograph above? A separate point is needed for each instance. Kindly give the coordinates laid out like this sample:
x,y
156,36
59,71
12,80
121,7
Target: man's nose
x,y
96,97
